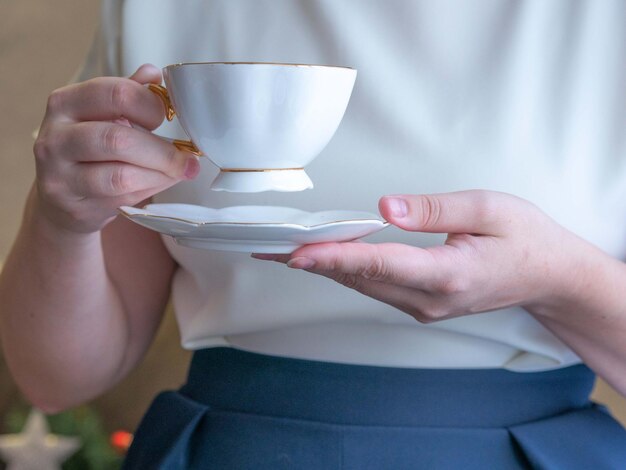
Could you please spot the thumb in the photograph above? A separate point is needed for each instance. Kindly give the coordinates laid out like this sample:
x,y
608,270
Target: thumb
x,y
476,212
147,73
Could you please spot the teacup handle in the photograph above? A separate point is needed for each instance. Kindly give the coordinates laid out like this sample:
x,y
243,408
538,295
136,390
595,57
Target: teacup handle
x,y
170,112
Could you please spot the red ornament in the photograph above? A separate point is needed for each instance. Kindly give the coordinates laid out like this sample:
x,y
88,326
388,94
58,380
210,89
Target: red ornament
x,y
120,441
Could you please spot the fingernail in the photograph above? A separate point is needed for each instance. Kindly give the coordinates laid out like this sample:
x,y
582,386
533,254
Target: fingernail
x,y
301,263
398,207
192,168
264,256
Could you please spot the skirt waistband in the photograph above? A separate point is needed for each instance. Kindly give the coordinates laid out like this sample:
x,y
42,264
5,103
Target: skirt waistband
x,y
233,380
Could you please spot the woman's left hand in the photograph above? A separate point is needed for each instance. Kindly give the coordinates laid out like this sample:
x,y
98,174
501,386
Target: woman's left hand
x,y
500,251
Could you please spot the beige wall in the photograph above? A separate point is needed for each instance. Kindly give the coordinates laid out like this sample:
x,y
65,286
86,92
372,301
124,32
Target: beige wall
x,y
41,44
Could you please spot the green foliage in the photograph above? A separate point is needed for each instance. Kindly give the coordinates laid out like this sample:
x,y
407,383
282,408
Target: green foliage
x,y
83,422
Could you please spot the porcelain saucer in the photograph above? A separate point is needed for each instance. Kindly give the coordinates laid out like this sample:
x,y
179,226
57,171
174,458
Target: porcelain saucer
x,y
253,229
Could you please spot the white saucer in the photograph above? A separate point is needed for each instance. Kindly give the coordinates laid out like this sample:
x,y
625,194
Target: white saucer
x,y
253,229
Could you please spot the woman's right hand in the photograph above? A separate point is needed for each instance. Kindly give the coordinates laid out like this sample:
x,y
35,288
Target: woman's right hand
x,y
90,159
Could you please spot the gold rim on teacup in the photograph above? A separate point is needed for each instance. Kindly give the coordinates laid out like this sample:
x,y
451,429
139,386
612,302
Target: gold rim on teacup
x,y
179,64
257,170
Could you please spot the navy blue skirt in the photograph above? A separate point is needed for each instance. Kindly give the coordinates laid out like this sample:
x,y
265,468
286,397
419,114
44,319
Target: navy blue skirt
x,y
242,410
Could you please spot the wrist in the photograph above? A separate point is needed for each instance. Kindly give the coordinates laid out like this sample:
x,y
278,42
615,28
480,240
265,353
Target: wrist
x,y
38,221
576,282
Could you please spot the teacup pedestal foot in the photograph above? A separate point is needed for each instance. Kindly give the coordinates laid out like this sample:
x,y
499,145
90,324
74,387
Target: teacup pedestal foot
x,y
255,181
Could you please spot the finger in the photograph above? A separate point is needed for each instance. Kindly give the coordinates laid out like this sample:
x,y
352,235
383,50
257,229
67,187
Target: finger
x,y
271,257
147,73
474,212
414,302
391,263
417,304
139,198
105,209
281,258
107,99
110,179
105,141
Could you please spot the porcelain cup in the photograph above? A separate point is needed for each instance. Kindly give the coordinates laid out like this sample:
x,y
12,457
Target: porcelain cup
x,y
260,123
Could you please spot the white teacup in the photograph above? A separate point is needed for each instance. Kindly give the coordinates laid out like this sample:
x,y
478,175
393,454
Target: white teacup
x,y
260,123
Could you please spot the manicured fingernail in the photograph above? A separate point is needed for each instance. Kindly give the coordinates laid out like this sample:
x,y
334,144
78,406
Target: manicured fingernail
x,y
301,263
264,256
192,168
398,207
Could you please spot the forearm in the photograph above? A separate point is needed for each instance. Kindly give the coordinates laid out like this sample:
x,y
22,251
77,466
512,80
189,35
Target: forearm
x,y
63,326
591,315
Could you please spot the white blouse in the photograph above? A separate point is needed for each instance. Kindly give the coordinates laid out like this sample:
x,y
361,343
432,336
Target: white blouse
x,y
523,97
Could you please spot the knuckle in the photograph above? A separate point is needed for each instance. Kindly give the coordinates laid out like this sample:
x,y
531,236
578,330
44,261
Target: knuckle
x,y
76,213
120,180
351,281
116,140
43,147
48,186
375,269
429,314
55,101
121,93
419,315
430,209
451,286
425,319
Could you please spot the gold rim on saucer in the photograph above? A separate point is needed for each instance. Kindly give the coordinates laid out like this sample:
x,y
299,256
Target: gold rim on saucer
x,y
199,224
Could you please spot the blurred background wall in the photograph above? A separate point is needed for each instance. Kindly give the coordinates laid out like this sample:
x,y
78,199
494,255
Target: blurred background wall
x,y
42,43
